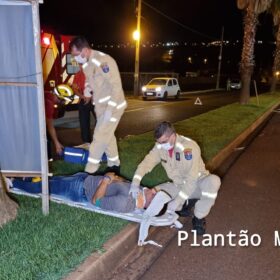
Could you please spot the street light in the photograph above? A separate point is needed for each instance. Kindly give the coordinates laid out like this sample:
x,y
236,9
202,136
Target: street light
x,y
136,36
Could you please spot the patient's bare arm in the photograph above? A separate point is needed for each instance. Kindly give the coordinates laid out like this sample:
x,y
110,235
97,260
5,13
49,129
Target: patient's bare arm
x,y
101,190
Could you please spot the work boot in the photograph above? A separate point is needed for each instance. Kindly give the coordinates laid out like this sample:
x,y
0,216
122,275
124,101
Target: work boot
x,y
187,208
199,225
115,169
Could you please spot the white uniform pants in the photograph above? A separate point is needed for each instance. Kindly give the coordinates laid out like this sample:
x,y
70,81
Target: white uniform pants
x,y
104,140
205,191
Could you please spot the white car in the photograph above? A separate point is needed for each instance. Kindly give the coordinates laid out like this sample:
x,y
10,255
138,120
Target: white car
x,y
161,88
235,84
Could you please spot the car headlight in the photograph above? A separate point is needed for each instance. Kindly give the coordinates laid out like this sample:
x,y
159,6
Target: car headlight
x,y
158,89
144,88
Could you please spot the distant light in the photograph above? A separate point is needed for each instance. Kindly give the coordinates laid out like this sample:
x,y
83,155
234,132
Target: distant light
x,y
205,60
277,73
55,106
46,41
136,35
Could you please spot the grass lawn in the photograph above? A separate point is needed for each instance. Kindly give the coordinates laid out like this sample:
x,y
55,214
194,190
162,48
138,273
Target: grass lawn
x,y
212,130
38,247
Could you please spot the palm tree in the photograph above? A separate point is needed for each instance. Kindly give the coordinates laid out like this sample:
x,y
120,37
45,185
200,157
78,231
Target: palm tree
x,y
252,10
275,10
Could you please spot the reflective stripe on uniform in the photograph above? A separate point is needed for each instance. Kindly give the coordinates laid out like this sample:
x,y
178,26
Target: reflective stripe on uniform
x,y
113,120
159,146
85,65
112,103
96,62
209,195
94,161
113,158
104,99
188,139
121,105
183,195
180,146
137,177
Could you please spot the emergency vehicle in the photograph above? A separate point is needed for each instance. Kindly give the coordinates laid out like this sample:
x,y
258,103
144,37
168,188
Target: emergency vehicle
x,y
59,69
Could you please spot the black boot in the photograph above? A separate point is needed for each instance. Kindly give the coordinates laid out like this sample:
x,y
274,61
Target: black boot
x,y
199,225
187,208
115,169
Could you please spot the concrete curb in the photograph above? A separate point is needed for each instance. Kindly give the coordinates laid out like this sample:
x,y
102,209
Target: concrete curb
x,y
100,266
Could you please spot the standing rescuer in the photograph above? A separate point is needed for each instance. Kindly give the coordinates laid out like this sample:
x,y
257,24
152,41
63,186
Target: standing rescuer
x,y
103,78
181,159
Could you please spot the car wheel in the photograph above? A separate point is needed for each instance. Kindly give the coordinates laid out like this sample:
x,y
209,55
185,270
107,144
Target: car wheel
x,y
177,95
165,96
144,98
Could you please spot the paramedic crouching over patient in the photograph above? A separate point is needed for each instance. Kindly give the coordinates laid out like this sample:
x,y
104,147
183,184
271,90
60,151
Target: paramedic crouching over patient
x,y
181,159
103,78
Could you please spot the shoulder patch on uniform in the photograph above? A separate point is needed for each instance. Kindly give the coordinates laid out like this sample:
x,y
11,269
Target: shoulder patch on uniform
x,y
105,67
188,154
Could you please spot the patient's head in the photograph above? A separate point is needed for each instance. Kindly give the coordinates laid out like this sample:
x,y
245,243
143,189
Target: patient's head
x,y
145,198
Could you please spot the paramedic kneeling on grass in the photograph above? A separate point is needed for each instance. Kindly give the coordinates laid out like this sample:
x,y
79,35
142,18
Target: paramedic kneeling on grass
x,y
181,159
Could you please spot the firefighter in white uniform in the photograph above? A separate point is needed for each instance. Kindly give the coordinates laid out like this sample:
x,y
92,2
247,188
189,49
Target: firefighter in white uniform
x,y
103,77
181,159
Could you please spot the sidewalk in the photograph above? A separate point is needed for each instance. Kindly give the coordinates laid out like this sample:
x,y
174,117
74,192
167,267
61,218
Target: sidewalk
x,y
249,199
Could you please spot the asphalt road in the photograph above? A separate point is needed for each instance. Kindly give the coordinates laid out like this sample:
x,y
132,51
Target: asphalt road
x,y
249,199
142,116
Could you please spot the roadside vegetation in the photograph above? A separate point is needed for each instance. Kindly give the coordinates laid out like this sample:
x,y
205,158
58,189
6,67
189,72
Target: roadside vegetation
x,y
37,247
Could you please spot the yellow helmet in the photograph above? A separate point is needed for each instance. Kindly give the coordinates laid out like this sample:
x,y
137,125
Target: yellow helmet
x,y
64,91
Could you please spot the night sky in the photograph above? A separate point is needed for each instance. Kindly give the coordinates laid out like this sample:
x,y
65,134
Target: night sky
x,y
103,21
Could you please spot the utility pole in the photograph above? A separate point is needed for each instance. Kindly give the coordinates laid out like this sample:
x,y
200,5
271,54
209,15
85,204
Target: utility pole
x,y
220,60
137,49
